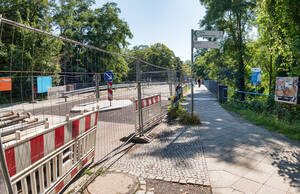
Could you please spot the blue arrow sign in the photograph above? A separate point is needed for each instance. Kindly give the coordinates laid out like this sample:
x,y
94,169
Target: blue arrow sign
x,y
109,76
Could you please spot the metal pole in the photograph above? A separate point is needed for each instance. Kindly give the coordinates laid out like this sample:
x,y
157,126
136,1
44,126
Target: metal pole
x,y
170,83
32,89
97,79
139,90
4,169
192,69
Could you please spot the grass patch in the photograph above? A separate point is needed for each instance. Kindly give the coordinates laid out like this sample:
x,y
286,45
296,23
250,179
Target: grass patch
x,y
88,172
183,116
100,171
291,130
189,119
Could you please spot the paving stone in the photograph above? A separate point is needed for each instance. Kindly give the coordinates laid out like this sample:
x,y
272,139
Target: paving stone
x,y
142,182
191,181
267,189
143,187
278,182
167,179
227,190
222,178
140,192
246,186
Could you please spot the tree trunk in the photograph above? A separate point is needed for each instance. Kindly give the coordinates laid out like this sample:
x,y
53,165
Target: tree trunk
x,y
270,74
241,66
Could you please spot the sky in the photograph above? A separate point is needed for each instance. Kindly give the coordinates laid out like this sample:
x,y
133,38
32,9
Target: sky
x,y
164,21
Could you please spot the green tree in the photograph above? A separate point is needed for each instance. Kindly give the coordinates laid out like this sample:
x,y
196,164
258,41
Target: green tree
x,y
233,17
101,28
279,27
24,50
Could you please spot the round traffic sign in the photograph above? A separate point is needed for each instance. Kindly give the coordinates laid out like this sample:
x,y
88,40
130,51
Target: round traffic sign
x,y
109,76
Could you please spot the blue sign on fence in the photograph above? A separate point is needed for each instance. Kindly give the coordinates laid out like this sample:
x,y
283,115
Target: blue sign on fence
x,y
43,83
109,76
255,76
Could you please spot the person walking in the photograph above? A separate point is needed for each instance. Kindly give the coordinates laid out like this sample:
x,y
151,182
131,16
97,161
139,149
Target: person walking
x,y
199,82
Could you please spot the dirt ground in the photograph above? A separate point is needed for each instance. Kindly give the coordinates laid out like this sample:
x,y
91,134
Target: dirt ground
x,y
163,187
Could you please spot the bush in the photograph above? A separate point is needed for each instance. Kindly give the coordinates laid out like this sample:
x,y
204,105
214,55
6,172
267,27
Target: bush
x,y
189,119
183,116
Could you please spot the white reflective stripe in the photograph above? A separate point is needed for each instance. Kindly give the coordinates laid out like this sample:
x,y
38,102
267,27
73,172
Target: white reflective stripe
x,y
22,156
48,173
33,183
67,179
54,170
93,116
24,186
49,141
60,163
41,179
66,166
83,146
68,133
15,189
81,125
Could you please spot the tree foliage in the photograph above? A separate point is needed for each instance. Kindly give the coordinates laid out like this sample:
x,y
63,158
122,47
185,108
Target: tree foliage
x,y
275,48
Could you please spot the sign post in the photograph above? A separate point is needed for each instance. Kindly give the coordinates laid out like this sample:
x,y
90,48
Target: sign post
x,y
192,69
195,34
109,77
255,77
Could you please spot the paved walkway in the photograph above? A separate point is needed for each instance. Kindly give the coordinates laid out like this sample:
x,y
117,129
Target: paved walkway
x,y
226,152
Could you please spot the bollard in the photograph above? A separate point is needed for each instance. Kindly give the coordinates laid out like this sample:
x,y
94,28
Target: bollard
x,y
222,94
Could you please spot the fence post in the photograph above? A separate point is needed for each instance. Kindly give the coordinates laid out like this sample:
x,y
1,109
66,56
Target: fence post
x,y
140,111
222,93
192,70
4,170
170,83
32,89
97,79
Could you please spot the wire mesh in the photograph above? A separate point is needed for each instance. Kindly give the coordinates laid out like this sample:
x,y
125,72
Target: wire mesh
x,y
47,90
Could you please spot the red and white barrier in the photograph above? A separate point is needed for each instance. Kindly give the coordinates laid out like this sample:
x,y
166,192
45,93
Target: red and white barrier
x,y
109,91
151,109
148,101
46,161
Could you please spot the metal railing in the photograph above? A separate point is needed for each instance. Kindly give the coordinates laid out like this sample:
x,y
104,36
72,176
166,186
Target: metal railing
x,y
212,86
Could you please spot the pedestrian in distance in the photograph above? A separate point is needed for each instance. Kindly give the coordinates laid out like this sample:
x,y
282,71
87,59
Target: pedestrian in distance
x,y
199,82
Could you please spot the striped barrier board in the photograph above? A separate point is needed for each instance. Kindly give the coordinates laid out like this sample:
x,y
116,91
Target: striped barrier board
x,y
46,161
151,109
109,91
146,102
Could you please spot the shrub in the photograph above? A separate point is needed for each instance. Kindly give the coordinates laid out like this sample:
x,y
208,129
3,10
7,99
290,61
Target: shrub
x,y
189,119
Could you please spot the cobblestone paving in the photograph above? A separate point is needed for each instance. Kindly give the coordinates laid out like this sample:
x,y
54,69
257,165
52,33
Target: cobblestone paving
x,y
227,152
175,154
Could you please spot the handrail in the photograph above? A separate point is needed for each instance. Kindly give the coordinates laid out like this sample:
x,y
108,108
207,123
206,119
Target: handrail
x,y
245,92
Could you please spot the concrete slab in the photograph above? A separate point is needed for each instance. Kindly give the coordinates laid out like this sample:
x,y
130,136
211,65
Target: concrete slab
x,y
222,178
279,182
104,105
225,191
267,189
247,186
113,183
258,175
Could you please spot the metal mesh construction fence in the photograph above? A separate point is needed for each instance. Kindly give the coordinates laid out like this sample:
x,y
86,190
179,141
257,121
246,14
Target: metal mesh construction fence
x,y
41,100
